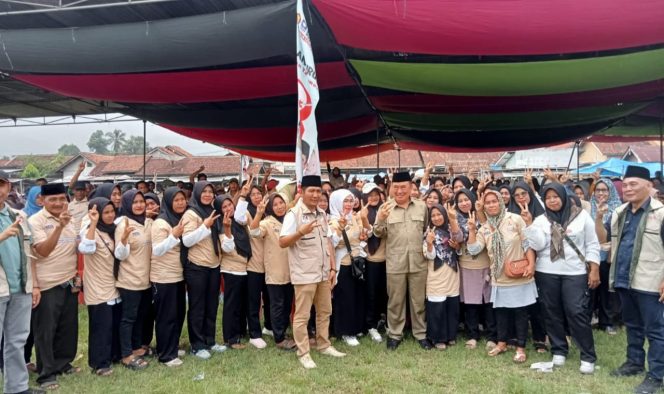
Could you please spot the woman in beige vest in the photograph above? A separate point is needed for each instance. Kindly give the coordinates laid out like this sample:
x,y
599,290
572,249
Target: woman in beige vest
x,y
504,238
168,289
348,307
277,273
102,298
236,253
133,249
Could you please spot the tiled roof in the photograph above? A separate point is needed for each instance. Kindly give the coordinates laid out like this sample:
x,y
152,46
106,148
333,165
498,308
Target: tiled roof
x,y
646,153
20,160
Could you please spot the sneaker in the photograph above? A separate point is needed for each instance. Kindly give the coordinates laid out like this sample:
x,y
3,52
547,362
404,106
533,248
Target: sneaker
x,y
627,369
258,343
217,348
202,354
181,353
351,340
307,362
559,361
331,351
610,330
176,362
375,335
649,385
267,332
587,368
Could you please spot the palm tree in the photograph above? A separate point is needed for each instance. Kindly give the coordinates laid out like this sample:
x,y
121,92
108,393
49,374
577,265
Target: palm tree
x,y
117,140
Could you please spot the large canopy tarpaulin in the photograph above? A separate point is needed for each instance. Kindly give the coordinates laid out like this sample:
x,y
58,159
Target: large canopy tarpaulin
x,y
427,74
616,168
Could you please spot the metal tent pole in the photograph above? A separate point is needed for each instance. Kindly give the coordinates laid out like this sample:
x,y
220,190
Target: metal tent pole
x,y
144,145
578,144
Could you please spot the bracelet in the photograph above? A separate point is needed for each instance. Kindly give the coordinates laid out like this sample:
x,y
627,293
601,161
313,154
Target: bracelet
x,y
333,270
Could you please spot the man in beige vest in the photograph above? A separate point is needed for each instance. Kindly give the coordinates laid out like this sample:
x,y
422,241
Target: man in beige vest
x,y
402,222
636,233
306,234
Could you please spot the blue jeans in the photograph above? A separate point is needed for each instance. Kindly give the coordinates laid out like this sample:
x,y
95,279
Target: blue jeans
x,y
15,326
643,315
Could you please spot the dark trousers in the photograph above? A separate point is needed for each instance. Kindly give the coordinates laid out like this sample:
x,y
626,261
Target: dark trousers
x,y
348,310
103,335
148,319
473,313
170,307
376,293
55,327
536,321
281,304
607,302
566,298
203,291
235,292
442,320
515,317
643,316
258,294
134,305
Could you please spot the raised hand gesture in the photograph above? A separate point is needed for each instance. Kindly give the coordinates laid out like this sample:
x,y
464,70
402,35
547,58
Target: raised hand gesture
x,y
525,214
227,221
472,221
596,175
93,214
431,236
65,216
11,231
178,229
385,210
209,221
429,167
308,227
244,192
127,230
451,212
479,204
262,206
564,177
201,168
81,166
364,211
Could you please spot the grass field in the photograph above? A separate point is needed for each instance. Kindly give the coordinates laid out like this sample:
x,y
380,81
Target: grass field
x,y
368,368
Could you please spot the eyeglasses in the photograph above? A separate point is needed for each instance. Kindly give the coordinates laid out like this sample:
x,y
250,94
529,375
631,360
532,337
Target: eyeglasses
x,y
601,190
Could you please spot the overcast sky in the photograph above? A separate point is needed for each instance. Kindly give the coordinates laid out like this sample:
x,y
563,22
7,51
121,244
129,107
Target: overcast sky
x,y
47,139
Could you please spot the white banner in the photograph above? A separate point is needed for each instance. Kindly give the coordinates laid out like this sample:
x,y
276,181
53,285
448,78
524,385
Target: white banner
x,y
306,153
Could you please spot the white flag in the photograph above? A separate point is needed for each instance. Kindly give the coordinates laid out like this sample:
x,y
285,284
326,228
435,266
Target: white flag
x,y
306,153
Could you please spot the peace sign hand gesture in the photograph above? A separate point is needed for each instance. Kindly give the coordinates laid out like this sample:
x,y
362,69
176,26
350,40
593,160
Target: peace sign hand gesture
x,y
472,222
93,214
431,236
262,206
451,212
525,214
209,221
227,224
178,229
385,210
479,204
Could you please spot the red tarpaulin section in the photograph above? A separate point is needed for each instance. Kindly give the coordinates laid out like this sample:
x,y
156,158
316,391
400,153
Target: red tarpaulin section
x,y
493,27
277,135
325,155
188,86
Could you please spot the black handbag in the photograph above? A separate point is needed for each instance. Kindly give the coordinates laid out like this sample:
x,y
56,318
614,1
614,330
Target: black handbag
x,y
358,265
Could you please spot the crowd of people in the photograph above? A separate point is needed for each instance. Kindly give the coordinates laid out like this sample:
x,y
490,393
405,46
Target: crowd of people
x,y
507,261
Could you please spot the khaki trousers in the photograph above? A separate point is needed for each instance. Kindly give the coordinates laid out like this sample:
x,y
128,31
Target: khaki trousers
x,y
415,284
320,295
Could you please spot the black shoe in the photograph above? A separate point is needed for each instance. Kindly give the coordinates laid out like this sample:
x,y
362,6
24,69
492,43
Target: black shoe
x,y
649,385
425,344
627,369
393,344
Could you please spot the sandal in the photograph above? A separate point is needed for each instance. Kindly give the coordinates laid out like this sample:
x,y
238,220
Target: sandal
x,y
49,386
540,347
136,364
497,350
103,372
471,344
519,357
72,370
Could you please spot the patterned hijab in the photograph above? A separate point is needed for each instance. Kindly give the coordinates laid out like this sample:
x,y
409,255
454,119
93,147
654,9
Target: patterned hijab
x,y
444,253
560,219
613,201
497,239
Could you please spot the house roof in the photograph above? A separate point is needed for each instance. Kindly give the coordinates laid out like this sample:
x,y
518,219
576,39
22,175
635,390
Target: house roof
x,y
645,153
462,162
20,161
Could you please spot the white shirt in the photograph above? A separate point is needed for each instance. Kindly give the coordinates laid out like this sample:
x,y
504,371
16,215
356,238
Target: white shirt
x,y
582,232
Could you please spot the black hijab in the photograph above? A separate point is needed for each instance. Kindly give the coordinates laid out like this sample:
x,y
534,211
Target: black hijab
x,y
471,197
560,219
127,204
250,205
465,180
204,211
239,232
105,190
152,196
358,195
373,242
534,207
166,211
269,209
101,203
510,204
444,253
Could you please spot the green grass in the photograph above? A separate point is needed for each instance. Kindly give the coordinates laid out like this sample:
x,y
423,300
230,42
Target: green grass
x,y
367,368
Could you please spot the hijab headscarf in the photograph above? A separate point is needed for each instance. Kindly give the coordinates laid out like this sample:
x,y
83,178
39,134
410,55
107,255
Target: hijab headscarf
x,y
152,196
109,229
471,197
204,211
104,190
613,201
372,212
358,195
126,209
31,206
337,202
534,206
166,211
511,205
250,205
467,184
269,209
497,239
585,187
239,232
444,253
560,219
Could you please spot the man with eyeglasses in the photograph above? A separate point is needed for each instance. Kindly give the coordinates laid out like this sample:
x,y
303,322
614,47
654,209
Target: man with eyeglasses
x,y
636,232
